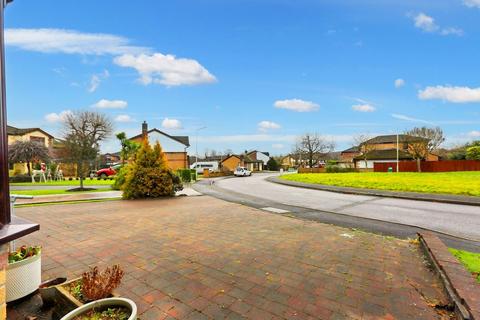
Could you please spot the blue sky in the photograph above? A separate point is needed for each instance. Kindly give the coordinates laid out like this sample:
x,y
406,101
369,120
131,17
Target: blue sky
x,y
256,74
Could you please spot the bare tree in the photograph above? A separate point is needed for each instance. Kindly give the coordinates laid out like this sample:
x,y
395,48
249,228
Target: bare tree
x,y
83,132
364,147
28,152
312,147
422,141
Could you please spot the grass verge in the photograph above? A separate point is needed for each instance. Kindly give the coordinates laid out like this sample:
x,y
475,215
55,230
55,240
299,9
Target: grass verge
x,y
458,183
470,260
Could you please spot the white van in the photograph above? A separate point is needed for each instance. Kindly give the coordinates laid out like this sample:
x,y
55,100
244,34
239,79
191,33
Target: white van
x,y
200,166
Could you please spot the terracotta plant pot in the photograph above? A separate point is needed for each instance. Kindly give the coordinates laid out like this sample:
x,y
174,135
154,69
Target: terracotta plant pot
x,y
23,277
103,304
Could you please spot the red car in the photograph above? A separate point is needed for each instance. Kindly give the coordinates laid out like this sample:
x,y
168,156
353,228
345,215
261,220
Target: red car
x,y
107,172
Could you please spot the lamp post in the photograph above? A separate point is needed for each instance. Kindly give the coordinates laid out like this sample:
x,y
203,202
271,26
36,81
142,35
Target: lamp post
x,y
397,153
196,143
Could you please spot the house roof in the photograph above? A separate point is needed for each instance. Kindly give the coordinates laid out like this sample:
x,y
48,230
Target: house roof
x,y
244,158
182,139
351,150
388,154
13,131
392,138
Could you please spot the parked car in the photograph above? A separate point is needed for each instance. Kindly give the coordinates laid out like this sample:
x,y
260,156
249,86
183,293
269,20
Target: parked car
x,y
242,172
107,172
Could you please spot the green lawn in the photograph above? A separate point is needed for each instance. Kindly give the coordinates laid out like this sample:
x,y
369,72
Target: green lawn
x,y
470,260
460,183
45,192
86,182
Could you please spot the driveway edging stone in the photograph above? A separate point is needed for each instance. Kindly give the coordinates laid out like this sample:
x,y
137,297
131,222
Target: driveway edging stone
x,y
461,288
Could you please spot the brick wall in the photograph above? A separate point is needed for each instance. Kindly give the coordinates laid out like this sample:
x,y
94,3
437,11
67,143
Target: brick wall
x,y
3,265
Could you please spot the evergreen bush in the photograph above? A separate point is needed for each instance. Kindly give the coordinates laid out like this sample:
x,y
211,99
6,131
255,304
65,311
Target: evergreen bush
x,y
148,175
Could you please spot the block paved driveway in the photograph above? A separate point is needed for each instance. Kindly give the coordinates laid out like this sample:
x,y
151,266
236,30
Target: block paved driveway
x,y
203,258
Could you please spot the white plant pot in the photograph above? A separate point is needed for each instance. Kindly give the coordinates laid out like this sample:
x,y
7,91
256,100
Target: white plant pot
x,y
104,303
23,277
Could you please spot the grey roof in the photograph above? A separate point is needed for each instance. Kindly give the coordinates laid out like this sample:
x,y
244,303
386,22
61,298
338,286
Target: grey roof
x,y
392,138
351,150
182,139
388,154
13,131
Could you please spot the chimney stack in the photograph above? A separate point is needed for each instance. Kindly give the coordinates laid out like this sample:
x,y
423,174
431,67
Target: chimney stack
x,y
144,129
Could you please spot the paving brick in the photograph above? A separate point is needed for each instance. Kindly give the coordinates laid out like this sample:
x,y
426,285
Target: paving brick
x,y
199,258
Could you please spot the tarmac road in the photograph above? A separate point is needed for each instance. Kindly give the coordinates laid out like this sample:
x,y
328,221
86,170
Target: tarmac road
x,y
458,224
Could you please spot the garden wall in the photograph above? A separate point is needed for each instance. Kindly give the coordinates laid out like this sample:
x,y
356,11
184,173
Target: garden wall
x,y
430,166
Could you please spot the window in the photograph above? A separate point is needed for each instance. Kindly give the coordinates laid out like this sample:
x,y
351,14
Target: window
x,y
38,139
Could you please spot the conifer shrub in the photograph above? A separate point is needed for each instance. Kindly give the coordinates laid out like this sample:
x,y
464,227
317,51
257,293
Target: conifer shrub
x,y
148,175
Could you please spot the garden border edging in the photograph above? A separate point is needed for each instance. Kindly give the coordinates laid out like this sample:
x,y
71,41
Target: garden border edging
x,y
442,198
459,285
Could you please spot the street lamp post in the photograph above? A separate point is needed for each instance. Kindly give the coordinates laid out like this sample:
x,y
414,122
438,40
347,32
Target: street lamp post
x,y
196,143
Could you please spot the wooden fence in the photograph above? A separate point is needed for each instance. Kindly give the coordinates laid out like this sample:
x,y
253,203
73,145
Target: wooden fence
x,y
429,166
311,170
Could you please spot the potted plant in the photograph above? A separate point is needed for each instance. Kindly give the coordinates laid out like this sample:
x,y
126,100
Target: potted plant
x,y
91,286
109,308
24,272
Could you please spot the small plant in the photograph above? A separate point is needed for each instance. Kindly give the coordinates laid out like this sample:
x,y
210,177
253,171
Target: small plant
x,y
23,253
99,285
108,314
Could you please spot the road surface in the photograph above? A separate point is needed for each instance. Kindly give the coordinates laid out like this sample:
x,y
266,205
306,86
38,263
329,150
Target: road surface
x,y
459,221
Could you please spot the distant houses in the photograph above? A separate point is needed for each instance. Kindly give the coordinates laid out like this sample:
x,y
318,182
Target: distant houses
x,y
384,149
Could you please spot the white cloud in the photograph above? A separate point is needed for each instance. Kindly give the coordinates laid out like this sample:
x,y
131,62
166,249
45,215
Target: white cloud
x,y
409,119
110,104
472,3
69,41
427,23
96,79
57,117
451,94
171,124
474,134
363,108
268,125
297,105
452,30
278,146
166,69
123,118
399,83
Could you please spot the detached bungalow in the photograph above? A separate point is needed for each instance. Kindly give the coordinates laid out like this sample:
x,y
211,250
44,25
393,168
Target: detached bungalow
x,y
174,147
232,162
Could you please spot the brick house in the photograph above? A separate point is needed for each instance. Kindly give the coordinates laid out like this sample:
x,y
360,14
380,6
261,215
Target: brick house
x,y
174,147
384,149
27,134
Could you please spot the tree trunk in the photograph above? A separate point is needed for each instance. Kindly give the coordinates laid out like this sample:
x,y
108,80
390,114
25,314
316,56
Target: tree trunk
x,y
28,168
419,165
366,163
80,173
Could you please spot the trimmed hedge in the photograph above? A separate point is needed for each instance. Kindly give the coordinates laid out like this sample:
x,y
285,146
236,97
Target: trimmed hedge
x,y
20,178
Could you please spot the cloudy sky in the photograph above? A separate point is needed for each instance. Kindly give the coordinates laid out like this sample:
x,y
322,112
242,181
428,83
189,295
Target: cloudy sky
x,y
253,74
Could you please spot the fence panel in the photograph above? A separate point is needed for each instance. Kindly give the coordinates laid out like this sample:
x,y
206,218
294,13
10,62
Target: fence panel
x,y
430,166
